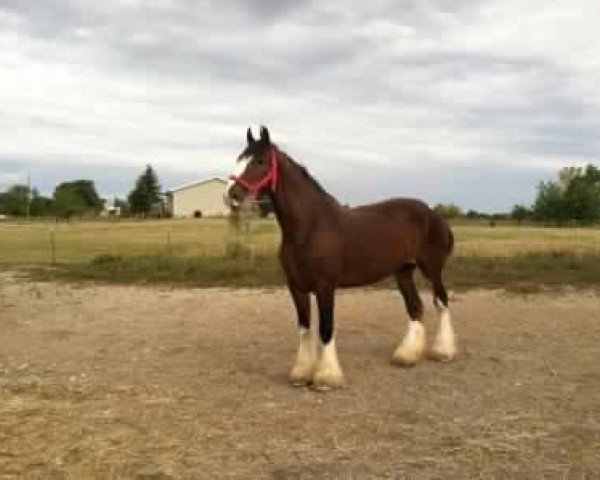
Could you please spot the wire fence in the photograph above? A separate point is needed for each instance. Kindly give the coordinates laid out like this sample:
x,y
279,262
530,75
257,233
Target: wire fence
x,y
251,236
82,241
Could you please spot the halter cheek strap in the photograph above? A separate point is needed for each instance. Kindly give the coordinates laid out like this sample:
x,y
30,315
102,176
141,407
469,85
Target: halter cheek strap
x,y
270,178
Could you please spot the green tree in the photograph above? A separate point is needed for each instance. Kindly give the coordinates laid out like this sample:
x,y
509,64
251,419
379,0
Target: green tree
x,y
449,210
145,193
582,196
574,197
77,198
520,213
14,201
549,205
41,206
67,203
472,214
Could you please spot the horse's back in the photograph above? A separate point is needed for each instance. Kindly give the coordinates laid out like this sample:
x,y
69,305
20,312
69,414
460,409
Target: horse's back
x,y
409,211
393,206
428,224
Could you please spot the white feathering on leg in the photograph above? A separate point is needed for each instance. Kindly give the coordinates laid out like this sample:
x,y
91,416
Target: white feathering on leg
x,y
306,358
411,350
328,373
444,346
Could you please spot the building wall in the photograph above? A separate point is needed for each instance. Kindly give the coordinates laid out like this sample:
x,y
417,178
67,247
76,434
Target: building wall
x,y
205,197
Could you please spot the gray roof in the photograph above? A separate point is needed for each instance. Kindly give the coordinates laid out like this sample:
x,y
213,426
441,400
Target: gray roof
x,y
195,184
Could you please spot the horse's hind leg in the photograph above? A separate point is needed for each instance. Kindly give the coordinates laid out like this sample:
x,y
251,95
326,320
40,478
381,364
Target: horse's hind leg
x,y
444,345
412,347
306,356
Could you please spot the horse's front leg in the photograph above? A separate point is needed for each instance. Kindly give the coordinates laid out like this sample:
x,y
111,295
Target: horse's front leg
x,y
304,367
328,373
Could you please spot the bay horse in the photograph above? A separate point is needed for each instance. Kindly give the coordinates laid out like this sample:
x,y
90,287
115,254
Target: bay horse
x,y
325,246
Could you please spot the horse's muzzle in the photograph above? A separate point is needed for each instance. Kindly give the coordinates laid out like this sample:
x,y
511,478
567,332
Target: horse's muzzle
x,y
234,195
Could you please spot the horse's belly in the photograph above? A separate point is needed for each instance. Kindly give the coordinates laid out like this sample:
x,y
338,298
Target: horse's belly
x,y
358,281
366,270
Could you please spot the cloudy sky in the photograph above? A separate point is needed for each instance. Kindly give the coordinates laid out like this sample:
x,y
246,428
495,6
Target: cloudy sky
x,y
469,101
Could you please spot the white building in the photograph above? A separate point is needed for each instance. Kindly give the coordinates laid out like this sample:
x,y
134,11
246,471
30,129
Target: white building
x,y
203,198
110,209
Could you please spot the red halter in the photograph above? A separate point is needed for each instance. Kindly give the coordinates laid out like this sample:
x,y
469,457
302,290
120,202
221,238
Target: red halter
x,y
270,177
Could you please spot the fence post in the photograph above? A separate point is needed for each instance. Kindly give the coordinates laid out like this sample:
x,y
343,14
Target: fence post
x,y
52,247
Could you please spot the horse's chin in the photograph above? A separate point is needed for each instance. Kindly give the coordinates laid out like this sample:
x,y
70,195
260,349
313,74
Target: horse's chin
x,y
239,201
232,202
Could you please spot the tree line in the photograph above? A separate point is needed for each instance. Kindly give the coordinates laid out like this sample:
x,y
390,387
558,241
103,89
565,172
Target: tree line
x,y
573,198
80,198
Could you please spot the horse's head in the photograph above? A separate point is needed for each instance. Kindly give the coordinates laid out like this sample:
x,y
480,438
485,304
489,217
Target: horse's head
x,y
256,169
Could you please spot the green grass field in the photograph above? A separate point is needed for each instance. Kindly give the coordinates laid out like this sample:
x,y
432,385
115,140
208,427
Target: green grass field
x,y
200,252
79,241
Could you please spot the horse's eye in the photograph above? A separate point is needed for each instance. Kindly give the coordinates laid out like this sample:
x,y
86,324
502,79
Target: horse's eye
x,y
261,160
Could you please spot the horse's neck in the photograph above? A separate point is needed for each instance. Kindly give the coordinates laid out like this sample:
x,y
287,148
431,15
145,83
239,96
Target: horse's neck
x,y
297,202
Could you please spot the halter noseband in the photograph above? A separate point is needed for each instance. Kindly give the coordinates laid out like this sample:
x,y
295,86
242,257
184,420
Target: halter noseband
x,y
270,177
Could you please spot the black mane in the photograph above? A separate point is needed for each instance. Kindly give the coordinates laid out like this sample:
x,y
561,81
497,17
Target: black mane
x,y
308,176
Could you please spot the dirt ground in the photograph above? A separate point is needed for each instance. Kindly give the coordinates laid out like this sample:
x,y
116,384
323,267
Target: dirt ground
x,y
154,383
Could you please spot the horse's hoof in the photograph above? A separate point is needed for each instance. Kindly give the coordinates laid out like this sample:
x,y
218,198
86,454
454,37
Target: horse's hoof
x,y
440,356
402,362
301,377
321,387
325,382
325,387
300,382
406,359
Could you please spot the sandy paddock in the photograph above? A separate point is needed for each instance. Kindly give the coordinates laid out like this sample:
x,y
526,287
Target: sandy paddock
x,y
152,383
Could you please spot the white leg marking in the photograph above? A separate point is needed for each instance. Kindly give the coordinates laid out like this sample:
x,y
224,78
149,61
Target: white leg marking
x,y
444,346
412,348
306,359
328,373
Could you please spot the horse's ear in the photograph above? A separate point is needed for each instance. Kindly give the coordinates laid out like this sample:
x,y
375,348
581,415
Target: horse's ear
x,y
264,135
249,136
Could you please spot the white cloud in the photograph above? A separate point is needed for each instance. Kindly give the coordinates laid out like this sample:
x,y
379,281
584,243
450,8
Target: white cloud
x,y
369,85
11,178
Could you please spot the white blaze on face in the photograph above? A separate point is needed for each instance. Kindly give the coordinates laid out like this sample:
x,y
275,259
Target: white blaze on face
x,y
238,171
